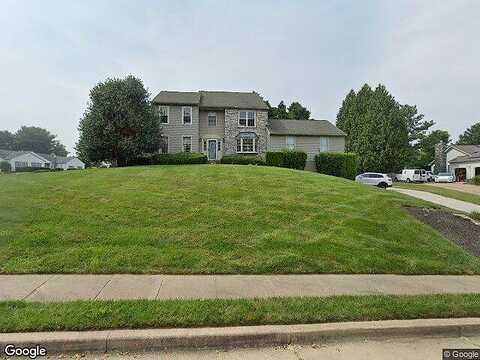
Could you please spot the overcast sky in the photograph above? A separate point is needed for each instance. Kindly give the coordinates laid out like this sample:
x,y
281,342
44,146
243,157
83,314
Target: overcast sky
x,y
53,52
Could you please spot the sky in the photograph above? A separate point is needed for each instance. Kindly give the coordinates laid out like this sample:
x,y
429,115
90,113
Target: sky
x,y
425,52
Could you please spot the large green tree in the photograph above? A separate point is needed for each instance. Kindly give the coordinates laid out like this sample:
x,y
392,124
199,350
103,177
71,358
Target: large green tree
x,y
7,140
298,112
379,129
471,136
425,149
295,111
32,138
120,123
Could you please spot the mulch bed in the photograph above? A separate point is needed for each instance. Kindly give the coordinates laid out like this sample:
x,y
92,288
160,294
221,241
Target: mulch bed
x,y
455,228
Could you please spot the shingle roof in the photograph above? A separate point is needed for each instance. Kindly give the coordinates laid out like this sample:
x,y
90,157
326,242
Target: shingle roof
x,y
469,149
232,100
213,99
303,127
177,98
59,159
10,154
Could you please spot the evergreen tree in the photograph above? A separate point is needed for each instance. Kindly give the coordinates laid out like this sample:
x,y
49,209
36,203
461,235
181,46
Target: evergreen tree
x,y
379,129
120,123
471,136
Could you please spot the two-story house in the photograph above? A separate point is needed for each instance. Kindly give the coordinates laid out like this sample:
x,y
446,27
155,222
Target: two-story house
x,y
219,123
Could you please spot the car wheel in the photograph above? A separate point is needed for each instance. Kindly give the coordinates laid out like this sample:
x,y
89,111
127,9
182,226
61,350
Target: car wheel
x,y
382,185
408,180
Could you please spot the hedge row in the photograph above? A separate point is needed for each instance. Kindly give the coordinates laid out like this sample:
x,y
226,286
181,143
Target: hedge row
x,y
242,160
31,169
5,166
293,159
171,159
337,164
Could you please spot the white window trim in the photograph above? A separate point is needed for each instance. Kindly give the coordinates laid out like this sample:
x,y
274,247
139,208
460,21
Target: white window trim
x,y
183,142
183,115
246,123
168,143
247,152
294,142
216,118
168,114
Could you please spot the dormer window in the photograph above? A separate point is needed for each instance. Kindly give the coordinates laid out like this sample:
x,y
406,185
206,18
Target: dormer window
x,y
163,114
246,118
187,115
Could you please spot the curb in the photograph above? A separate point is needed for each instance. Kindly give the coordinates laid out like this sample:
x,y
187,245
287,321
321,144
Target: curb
x,y
246,336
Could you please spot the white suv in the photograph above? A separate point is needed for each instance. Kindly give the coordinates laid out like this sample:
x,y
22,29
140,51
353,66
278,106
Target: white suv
x,y
374,179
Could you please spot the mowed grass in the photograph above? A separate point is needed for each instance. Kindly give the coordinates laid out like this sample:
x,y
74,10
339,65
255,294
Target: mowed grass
x,y
213,219
454,194
20,316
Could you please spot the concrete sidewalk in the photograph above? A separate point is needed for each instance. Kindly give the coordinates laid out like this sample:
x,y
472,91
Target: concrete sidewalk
x,y
48,288
440,200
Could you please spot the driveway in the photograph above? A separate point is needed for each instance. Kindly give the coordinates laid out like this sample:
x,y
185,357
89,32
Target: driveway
x,y
440,200
468,188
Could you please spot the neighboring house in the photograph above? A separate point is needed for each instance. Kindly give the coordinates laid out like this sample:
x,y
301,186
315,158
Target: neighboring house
x,y
461,160
219,123
28,159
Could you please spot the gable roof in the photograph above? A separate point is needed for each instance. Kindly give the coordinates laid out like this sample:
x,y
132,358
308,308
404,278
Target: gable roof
x,y
11,154
232,100
177,98
467,149
59,159
213,99
303,127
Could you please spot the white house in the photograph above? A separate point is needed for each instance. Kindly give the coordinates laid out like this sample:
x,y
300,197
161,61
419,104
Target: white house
x,y
30,159
461,160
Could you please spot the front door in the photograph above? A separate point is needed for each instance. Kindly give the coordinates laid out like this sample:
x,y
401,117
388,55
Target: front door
x,y
212,149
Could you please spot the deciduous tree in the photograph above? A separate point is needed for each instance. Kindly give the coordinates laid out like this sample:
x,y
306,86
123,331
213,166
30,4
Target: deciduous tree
x,y
120,123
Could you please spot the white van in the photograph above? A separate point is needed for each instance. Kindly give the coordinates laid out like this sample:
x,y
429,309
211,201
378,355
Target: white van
x,y
414,175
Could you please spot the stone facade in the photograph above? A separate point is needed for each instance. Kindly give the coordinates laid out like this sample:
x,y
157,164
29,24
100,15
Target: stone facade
x,y
232,131
440,158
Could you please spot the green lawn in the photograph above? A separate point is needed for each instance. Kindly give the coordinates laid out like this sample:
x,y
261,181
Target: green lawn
x,y
454,194
213,219
19,316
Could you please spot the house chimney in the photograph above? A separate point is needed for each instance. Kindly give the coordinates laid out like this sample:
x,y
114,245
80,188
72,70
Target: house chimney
x,y
440,158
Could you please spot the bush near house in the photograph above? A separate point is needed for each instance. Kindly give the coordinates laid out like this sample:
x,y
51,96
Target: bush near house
x,y
475,180
31,169
171,159
5,167
242,160
292,159
337,164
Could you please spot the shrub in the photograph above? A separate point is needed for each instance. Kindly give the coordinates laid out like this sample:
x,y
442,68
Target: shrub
x,y
242,160
475,215
293,159
31,169
274,158
475,180
5,166
337,164
171,159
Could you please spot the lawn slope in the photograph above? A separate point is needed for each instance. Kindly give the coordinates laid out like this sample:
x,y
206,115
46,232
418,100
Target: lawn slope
x,y
213,219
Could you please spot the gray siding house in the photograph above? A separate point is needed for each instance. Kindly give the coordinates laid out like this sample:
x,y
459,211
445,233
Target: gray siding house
x,y
219,123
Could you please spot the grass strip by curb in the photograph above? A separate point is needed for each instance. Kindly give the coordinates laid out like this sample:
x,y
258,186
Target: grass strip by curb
x,y
450,193
21,316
